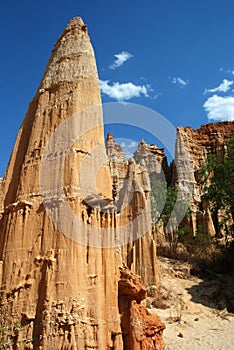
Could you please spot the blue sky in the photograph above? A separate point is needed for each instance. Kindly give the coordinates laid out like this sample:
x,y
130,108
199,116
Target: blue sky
x,y
176,57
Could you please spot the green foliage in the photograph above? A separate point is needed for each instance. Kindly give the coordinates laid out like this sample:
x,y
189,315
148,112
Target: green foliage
x,y
165,205
163,200
197,243
217,177
165,208
8,330
158,198
170,202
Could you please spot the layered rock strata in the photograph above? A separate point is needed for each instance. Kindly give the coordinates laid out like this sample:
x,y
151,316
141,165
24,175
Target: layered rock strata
x,y
192,149
154,159
1,196
131,192
118,164
57,293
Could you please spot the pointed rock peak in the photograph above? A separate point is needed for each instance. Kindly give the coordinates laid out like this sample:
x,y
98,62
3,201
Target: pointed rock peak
x,y
72,58
110,136
131,160
76,23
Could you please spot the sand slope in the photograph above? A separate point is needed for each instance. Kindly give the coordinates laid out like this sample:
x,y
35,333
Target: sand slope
x,y
199,316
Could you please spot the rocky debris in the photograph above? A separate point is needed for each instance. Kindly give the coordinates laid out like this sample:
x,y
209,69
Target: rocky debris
x,y
174,268
144,331
163,297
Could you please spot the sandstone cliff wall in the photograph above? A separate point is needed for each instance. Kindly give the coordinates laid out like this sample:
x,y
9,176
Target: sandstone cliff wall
x,y
191,151
1,196
192,148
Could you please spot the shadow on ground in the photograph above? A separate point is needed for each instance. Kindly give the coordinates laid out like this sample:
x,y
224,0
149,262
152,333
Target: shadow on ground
x,y
215,291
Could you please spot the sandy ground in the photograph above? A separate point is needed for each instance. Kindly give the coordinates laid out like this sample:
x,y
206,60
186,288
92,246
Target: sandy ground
x,y
199,316
208,333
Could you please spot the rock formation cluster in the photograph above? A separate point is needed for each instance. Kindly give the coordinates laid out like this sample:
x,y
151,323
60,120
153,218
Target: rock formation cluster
x,y
56,293
191,151
73,281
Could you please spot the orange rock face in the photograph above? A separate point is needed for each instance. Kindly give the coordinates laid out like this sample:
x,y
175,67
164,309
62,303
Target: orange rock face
x,y
208,139
59,272
141,330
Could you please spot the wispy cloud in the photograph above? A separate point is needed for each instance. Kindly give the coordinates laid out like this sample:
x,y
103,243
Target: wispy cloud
x,y
129,146
223,87
120,59
123,92
220,108
229,71
156,96
179,81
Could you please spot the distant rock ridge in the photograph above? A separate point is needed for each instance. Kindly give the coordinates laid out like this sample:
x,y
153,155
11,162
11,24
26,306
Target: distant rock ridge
x,y
154,158
210,138
191,151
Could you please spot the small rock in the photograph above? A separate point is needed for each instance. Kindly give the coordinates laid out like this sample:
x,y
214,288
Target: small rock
x,y
196,319
181,335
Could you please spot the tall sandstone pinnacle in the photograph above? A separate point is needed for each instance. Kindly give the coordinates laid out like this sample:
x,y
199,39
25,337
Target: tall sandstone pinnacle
x,y
55,292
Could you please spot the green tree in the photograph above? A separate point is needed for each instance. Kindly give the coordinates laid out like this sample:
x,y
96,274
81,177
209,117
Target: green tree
x,y
165,208
217,178
163,200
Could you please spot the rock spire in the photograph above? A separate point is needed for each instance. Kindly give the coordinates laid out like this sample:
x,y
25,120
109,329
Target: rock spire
x,y
55,292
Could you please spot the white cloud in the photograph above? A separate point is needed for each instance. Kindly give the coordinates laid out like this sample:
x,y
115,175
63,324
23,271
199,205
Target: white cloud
x,y
125,91
179,80
223,87
220,108
128,146
120,59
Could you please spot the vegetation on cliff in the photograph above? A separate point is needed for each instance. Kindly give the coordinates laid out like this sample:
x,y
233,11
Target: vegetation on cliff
x,y
218,181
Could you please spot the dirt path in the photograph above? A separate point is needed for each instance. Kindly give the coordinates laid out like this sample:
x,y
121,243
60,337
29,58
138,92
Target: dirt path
x,y
198,317
208,333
